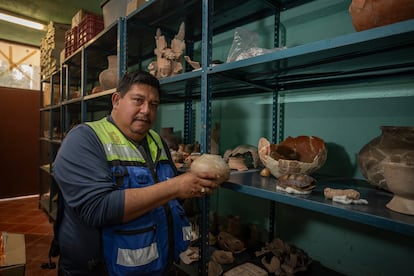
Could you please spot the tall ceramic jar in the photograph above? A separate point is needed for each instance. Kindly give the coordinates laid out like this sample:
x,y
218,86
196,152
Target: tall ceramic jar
x,y
395,144
108,78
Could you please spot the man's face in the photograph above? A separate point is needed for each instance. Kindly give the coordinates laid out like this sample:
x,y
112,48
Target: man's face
x,y
136,112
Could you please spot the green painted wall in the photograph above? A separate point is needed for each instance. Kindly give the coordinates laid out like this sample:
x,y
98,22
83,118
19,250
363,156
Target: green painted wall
x,y
346,117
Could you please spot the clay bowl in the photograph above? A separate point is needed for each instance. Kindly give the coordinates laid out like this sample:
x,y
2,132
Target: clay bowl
x,y
400,181
299,155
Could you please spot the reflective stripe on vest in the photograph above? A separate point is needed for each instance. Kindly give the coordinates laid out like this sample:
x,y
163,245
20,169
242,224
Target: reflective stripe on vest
x,y
118,147
137,257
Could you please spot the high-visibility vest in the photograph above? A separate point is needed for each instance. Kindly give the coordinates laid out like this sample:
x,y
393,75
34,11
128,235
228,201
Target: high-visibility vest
x,y
147,244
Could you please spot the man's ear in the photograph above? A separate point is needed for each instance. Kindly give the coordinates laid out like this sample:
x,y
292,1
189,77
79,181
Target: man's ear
x,y
115,98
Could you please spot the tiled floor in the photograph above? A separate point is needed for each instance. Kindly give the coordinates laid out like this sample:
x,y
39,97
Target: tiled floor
x,y
24,216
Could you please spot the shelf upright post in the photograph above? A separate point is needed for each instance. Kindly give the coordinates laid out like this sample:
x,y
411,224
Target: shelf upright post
x,y
188,103
67,90
84,74
62,98
122,47
206,53
50,145
277,126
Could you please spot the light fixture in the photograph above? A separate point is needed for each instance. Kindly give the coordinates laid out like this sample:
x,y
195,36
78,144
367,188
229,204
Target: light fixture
x,y
21,21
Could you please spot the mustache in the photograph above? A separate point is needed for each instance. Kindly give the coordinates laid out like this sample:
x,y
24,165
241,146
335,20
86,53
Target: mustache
x,y
142,118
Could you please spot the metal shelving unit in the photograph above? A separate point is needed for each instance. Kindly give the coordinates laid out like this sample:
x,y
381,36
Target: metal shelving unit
x,y
49,141
385,53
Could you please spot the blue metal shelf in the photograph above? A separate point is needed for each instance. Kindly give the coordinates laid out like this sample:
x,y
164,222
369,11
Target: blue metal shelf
x,y
375,214
379,52
385,52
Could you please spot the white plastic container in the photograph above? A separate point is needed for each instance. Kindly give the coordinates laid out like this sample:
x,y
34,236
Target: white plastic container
x,y
112,10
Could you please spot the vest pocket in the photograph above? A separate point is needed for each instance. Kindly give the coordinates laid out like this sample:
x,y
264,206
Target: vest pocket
x,y
132,251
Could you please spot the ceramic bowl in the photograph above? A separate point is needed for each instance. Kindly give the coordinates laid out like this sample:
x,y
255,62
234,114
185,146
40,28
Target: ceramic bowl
x,y
299,155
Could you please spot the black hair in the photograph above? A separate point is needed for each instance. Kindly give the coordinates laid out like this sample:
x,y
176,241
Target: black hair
x,y
137,77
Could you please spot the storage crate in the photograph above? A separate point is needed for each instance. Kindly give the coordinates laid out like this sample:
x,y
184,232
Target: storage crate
x,y
71,41
88,28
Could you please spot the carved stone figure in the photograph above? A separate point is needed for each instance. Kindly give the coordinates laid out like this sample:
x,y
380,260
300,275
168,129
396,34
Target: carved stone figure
x,y
168,61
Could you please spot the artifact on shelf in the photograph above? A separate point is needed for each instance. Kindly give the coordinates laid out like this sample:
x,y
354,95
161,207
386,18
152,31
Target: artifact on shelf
x,y
291,258
197,66
237,163
394,144
227,241
233,225
185,154
222,257
97,89
190,255
211,163
400,180
345,196
367,14
300,155
172,140
296,183
214,269
108,78
242,157
55,134
168,62
75,94
191,158
245,45
330,193
265,172
215,139
246,269
273,266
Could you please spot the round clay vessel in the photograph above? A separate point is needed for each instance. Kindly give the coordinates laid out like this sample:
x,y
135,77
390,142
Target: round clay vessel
x,y
395,144
108,78
211,163
400,180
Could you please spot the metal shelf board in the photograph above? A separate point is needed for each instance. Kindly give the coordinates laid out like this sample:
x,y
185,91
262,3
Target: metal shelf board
x,y
375,214
72,101
175,88
100,94
379,51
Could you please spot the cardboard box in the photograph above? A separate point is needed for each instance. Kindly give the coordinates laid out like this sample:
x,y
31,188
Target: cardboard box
x,y
12,254
47,91
79,16
134,4
112,10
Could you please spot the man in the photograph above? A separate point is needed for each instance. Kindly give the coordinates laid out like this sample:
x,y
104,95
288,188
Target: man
x,y
119,189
